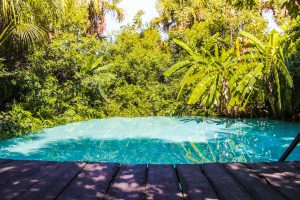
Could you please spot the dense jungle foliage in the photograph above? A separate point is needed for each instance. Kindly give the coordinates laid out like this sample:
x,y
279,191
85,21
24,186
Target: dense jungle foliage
x,y
197,58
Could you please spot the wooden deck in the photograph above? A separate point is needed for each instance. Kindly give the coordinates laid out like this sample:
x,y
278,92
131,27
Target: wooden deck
x,y
69,180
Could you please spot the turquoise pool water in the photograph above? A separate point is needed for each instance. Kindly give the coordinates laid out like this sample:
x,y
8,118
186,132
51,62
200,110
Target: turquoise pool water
x,y
158,140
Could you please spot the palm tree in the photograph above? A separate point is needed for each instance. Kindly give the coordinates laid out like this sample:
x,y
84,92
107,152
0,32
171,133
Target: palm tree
x,y
179,13
20,23
166,10
97,11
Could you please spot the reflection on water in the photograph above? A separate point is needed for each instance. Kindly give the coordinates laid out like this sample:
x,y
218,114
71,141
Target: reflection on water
x,y
234,148
157,140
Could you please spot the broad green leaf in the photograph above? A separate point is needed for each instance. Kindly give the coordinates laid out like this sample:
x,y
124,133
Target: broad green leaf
x,y
212,92
254,39
103,95
200,89
186,47
176,67
183,82
96,63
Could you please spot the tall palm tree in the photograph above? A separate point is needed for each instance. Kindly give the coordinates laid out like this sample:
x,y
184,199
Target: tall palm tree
x,y
179,13
24,22
97,11
166,10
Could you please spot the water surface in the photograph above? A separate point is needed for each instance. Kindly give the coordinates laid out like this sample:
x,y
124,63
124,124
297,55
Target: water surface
x,y
158,140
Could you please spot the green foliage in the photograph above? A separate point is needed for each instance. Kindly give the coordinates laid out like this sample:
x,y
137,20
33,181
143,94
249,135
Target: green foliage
x,y
208,72
78,78
293,7
244,3
138,62
293,42
179,13
17,122
225,80
267,72
221,19
26,20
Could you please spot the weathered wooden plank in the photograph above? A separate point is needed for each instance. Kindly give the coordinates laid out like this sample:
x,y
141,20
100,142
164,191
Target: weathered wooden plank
x,y
289,171
14,165
11,189
18,170
289,188
3,161
91,183
255,185
129,183
295,164
51,182
226,186
194,184
162,183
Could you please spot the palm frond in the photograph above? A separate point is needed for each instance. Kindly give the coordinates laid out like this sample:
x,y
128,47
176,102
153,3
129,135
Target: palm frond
x,y
6,32
25,34
115,11
186,47
183,81
9,8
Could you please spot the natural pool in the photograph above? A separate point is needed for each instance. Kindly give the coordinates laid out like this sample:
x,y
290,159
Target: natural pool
x,y
158,140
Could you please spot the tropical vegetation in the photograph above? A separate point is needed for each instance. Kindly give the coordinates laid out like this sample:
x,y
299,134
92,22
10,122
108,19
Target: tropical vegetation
x,y
58,65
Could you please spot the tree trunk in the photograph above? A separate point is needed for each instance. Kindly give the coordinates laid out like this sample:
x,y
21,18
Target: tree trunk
x,y
97,22
102,26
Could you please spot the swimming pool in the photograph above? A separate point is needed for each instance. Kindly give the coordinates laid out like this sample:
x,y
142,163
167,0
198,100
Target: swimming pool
x,y
170,140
